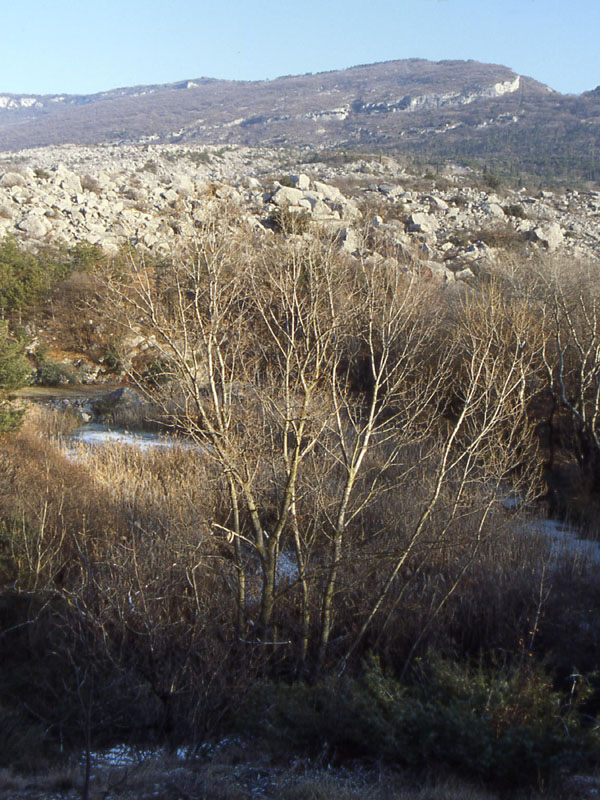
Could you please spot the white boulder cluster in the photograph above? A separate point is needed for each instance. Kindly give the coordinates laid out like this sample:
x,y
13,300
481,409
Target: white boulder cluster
x,y
154,195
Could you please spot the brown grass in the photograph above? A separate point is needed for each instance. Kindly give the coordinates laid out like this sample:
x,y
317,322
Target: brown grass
x,y
254,776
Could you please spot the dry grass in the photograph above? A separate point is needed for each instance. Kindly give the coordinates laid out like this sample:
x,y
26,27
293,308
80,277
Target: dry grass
x,y
256,778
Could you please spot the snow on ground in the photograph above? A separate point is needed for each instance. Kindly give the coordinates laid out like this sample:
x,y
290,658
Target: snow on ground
x,y
565,540
95,435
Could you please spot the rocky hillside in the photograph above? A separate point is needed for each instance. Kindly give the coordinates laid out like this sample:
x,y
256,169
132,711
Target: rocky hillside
x,y
443,109
154,196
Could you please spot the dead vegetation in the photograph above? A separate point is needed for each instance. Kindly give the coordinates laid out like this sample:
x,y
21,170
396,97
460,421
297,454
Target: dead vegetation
x,y
347,438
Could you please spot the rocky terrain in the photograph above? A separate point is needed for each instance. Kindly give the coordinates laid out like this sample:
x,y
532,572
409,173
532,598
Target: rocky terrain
x,y
449,109
154,196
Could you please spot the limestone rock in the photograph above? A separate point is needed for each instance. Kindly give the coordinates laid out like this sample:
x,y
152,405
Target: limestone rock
x,y
34,225
285,195
437,202
493,210
330,193
122,403
550,235
464,274
300,181
435,270
252,183
67,180
420,222
11,179
390,190
184,185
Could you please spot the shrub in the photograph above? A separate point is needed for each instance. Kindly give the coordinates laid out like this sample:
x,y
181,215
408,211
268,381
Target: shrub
x,y
202,157
291,222
11,418
515,210
112,356
491,180
14,366
28,279
22,741
506,725
23,279
52,373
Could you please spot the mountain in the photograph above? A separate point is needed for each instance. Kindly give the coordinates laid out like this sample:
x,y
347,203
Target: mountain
x,y
459,109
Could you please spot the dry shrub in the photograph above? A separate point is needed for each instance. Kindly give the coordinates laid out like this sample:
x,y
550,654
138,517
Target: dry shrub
x,y
125,581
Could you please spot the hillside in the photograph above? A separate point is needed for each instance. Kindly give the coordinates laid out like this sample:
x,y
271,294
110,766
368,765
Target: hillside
x,y
441,109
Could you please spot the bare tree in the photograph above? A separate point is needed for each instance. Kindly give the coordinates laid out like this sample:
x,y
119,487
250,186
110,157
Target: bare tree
x,y
306,379
572,360
487,446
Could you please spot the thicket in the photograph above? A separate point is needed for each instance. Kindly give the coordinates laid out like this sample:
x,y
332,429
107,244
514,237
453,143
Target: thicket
x,y
27,279
503,724
359,454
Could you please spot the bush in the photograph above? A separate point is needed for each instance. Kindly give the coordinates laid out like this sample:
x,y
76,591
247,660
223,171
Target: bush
x,y
28,279
202,157
23,279
14,366
515,210
11,418
22,741
51,373
491,180
291,222
112,356
506,725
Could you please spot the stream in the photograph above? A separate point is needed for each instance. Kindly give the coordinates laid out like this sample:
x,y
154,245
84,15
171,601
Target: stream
x,y
95,434
565,539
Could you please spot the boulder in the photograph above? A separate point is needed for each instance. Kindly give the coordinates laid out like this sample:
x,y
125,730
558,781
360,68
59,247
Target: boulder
x,y
437,202
170,195
391,190
67,180
330,193
95,183
11,179
7,210
184,185
252,183
34,226
300,181
286,196
464,274
493,210
434,270
123,402
420,222
550,236
350,240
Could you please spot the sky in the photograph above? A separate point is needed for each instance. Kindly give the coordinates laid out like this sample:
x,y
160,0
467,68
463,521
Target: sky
x,y
86,46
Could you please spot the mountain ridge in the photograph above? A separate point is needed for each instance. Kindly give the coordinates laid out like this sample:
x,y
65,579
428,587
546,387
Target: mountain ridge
x,y
441,109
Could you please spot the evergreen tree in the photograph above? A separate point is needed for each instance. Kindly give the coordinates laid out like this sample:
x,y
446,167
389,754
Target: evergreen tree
x,y
14,373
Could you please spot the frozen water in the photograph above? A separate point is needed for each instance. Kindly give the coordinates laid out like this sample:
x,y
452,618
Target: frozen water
x,y
566,542
95,435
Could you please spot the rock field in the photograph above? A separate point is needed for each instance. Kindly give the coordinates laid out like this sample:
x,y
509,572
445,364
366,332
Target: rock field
x,y
153,195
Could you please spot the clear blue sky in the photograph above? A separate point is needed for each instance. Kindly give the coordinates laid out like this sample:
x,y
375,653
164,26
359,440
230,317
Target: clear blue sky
x,y
83,46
